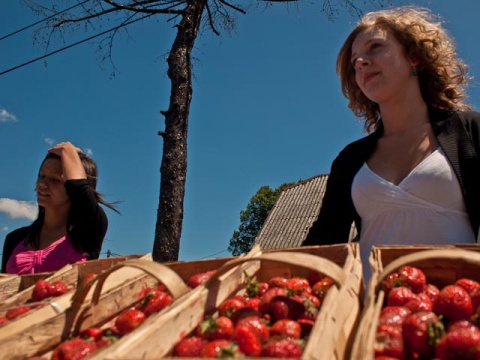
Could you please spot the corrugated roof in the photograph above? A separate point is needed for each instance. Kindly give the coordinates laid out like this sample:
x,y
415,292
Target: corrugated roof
x,y
296,209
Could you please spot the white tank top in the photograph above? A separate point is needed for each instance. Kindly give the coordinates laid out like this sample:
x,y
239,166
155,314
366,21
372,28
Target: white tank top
x,y
425,208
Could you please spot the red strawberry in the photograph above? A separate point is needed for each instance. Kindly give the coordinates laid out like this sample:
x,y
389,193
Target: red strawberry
x,y
75,349
413,278
190,347
248,341
255,288
468,284
3,320
454,303
41,290
277,281
252,303
91,333
220,348
13,313
459,344
264,305
286,328
243,313
393,315
57,288
431,291
200,278
320,288
399,296
255,325
285,348
475,296
421,330
389,342
213,329
229,306
128,320
155,302
421,302
104,341
306,325
283,307
298,285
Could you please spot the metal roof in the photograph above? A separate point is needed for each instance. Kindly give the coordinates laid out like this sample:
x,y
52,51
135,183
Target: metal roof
x,y
293,214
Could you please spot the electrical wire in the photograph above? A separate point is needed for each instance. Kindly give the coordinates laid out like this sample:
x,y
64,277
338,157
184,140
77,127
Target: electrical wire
x,y
40,21
72,45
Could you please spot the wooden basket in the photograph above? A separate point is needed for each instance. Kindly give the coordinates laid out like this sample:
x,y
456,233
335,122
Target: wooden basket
x,y
330,337
442,265
92,304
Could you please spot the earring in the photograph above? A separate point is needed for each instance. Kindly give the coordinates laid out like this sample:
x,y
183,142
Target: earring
x,y
414,72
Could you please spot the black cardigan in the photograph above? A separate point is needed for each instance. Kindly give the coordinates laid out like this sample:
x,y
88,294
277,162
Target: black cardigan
x,y
459,136
87,223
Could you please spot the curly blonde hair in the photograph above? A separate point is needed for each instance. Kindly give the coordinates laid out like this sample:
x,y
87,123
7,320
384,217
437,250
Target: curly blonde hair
x,y
442,74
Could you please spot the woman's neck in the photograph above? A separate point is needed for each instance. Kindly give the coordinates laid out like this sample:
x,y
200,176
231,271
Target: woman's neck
x,y
401,118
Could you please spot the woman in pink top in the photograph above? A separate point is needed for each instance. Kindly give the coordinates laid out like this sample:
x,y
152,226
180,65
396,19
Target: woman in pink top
x,y
71,224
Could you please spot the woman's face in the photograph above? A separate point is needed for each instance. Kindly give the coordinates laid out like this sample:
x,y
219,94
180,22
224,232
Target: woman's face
x,y
51,185
382,70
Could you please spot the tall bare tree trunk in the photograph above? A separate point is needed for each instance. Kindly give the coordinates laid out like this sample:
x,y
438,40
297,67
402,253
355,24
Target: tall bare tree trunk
x,y
173,170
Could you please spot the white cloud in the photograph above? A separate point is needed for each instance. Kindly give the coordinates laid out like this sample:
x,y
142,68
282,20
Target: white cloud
x,y
5,116
49,141
18,209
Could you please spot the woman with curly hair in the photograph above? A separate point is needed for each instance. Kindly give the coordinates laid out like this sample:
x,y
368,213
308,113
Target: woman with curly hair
x,y
71,224
415,178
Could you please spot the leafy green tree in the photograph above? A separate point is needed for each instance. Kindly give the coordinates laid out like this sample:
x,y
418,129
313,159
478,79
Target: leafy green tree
x,y
253,217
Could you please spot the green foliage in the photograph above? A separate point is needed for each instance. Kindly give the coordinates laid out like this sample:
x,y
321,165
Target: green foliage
x,y
253,217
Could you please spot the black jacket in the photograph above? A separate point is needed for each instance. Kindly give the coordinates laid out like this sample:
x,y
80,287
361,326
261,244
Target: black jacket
x,y
459,136
87,224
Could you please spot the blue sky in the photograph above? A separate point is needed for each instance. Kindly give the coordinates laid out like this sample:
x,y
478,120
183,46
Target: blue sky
x,y
267,109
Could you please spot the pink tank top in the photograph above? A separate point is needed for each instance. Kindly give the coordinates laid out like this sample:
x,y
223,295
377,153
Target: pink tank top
x,y
52,258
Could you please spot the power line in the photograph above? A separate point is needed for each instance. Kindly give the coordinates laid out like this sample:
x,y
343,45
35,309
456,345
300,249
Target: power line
x,y
72,45
40,21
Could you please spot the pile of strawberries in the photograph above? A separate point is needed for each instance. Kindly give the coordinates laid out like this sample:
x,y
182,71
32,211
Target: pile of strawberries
x,y
421,321
270,319
42,290
151,300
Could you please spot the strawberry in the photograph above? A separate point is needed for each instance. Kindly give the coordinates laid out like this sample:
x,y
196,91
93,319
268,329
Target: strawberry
x,y
248,341
399,296
75,349
459,344
314,277
431,291
298,285
229,306
393,315
468,284
104,341
286,328
128,320
454,303
475,296
213,329
306,325
413,278
243,313
252,303
255,325
15,312
421,330
41,290
277,281
155,301
91,333
320,288
421,302
390,282
190,347
200,278
285,348
3,320
220,348
264,305
284,307
255,288
57,288
389,342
